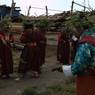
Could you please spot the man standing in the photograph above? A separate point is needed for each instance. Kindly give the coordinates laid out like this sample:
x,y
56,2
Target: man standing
x,y
42,45
6,59
29,60
42,27
63,48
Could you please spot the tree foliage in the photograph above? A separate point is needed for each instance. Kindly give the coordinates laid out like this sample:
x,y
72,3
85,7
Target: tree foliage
x,y
42,23
5,24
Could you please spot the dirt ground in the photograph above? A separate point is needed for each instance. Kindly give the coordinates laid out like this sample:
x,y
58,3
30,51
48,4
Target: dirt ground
x,y
47,78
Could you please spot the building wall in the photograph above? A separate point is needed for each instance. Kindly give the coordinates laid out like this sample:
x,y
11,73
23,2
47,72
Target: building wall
x,y
5,10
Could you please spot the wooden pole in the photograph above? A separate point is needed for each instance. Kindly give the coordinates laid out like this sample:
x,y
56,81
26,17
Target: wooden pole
x,y
84,6
29,11
46,11
72,7
12,7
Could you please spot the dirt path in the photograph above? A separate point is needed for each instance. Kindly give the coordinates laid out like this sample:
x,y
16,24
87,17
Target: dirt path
x,y
47,78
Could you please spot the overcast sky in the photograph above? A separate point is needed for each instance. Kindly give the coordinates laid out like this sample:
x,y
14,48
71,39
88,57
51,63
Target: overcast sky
x,y
62,5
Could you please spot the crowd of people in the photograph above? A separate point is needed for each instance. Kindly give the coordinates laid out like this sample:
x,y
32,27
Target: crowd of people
x,y
32,56
83,64
76,51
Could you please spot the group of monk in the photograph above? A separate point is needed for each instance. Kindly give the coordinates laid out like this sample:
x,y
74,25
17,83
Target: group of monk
x,y
33,54
34,42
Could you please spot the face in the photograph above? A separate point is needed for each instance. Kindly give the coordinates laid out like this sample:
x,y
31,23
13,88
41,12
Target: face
x,y
78,31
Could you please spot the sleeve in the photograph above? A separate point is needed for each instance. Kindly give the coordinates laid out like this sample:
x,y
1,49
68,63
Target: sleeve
x,y
82,59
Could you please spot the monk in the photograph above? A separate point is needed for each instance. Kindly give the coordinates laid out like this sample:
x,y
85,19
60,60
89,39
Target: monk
x,y
63,48
29,60
42,44
6,59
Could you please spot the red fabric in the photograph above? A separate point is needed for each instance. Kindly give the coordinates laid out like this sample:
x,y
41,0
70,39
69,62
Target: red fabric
x,y
88,39
63,49
85,85
42,42
6,57
2,35
11,38
23,37
32,44
59,35
30,53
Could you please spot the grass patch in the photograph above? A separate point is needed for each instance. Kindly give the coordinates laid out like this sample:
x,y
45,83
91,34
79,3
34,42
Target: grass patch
x,y
65,89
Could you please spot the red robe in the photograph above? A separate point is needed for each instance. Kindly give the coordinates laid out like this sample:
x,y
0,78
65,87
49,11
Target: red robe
x,y
30,53
6,59
42,46
63,49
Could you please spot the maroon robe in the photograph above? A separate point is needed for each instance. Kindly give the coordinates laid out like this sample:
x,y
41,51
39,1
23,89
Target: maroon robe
x,y
42,46
30,53
58,47
63,49
6,59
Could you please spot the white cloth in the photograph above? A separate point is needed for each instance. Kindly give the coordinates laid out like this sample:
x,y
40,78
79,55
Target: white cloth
x,y
67,70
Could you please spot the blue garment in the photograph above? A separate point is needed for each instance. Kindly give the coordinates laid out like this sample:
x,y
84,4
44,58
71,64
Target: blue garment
x,y
85,56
